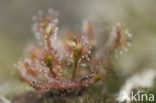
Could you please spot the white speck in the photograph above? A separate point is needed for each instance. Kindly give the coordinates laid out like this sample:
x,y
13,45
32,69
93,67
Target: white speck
x,y
125,49
129,44
130,35
88,59
121,52
89,52
84,65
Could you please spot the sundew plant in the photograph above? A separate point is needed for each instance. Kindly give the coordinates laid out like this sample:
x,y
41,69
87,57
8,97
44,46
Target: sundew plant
x,y
71,63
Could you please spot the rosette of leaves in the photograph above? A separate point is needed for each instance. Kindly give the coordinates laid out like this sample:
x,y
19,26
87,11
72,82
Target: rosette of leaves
x,y
69,64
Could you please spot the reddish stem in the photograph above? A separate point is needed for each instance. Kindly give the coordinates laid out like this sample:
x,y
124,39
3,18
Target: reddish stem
x,y
74,72
48,43
51,70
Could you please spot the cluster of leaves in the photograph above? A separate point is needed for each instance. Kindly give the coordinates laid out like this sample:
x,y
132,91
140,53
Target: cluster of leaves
x,y
68,64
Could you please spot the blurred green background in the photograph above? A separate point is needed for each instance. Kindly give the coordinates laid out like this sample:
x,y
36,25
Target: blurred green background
x,y
139,15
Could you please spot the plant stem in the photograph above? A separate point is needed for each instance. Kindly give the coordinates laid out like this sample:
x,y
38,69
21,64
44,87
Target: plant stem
x,y
48,43
74,72
51,70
